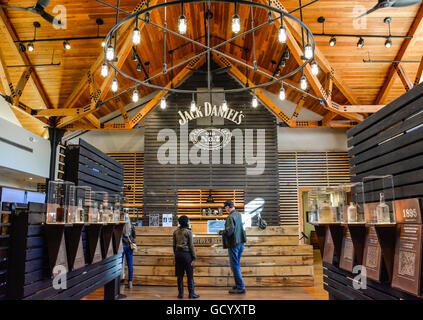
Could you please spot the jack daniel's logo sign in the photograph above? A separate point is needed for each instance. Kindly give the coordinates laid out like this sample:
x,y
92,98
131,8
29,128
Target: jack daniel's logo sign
x,y
208,110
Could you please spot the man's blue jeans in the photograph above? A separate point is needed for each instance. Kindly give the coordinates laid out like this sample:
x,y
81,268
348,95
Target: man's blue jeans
x,y
129,256
235,259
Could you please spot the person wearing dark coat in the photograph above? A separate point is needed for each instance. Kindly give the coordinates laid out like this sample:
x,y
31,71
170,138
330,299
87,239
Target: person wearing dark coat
x,y
128,237
233,239
183,248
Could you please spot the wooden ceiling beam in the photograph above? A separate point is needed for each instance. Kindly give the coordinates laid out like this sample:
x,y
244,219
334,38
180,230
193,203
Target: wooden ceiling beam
x,y
5,77
324,64
125,46
389,81
419,74
319,124
298,108
93,120
23,80
405,79
234,71
329,116
11,38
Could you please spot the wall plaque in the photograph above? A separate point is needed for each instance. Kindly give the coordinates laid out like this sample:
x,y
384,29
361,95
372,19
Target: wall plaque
x,y
347,252
372,257
408,211
329,251
408,256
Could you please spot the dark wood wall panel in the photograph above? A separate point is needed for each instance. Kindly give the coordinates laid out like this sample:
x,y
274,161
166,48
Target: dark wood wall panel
x,y
161,182
391,142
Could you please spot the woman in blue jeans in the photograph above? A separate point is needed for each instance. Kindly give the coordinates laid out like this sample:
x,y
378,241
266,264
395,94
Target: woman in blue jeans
x,y
128,236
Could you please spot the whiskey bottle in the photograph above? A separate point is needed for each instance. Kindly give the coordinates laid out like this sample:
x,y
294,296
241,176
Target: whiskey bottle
x,y
382,211
352,212
79,212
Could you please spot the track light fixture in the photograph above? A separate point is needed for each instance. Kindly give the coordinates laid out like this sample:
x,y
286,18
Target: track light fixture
x,y
282,93
22,48
314,68
388,43
104,70
135,95
134,56
332,41
139,67
224,106
114,84
236,21
30,47
66,45
360,43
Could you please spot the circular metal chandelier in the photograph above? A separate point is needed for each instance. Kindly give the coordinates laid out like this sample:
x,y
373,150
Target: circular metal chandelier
x,y
308,47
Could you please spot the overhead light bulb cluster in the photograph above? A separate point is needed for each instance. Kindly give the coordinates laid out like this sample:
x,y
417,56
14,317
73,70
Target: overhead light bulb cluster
x,y
303,83
136,36
110,53
163,103
224,106
114,84
308,52
282,34
104,70
182,24
135,95
314,68
236,23
282,93
254,101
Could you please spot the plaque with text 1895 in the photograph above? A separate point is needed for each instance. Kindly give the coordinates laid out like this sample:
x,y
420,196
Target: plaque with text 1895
x,y
372,258
347,254
408,256
329,251
408,211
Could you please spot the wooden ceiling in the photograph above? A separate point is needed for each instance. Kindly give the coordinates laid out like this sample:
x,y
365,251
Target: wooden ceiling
x,y
67,85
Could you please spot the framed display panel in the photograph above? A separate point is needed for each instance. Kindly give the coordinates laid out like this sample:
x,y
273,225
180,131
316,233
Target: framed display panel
x,y
347,252
333,244
372,257
408,210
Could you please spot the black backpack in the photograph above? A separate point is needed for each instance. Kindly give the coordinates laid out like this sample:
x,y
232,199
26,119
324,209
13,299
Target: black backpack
x,y
262,224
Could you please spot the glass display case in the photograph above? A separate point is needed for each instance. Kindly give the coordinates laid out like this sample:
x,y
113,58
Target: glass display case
x,y
101,206
81,205
326,205
379,197
116,207
60,197
352,206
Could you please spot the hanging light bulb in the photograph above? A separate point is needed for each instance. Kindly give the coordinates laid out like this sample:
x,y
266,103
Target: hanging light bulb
x,y
254,102
282,93
224,106
193,106
103,43
303,83
308,52
236,23
66,45
136,35
314,68
182,24
110,53
104,70
114,84
388,43
282,34
332,41
360,43
135,95
30,47
163,103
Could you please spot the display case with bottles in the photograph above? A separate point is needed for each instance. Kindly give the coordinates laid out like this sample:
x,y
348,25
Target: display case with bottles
x,y
81,205
352,204
326,205
379,198
60,198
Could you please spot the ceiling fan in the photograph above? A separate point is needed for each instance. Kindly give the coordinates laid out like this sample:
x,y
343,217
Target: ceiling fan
x,y
390,3
37,9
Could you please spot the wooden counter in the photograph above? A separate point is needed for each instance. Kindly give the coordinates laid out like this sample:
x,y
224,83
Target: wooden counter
x,y
272,258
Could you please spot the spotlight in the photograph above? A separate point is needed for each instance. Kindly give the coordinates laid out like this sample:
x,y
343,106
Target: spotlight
x,y
22,48
110,53
136,35
66,45
104,70
236,23
388,43
163,103
332,41
139,67
308,52
314,68
303,83
182,24
282,93
134,56
135,96
30,47
282,34
254,102
360,43
224,106
114,84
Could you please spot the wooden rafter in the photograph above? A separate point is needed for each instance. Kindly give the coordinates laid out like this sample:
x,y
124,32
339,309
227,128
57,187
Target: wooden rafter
x,y
319,124
125,47
298,108
387,85
360,108
403,77
419,74
5,77
324,64
11,37
23,80
329,116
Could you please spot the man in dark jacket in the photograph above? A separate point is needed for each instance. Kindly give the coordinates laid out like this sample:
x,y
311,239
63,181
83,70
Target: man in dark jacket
x,y
234,238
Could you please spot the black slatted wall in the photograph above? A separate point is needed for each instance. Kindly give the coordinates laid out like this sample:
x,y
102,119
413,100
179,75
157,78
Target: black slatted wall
x,y
161,182
391,142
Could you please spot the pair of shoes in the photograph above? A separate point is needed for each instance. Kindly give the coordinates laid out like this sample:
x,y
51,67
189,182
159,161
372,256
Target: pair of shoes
x,y
237,291
130,285
234,287
180,296
193,296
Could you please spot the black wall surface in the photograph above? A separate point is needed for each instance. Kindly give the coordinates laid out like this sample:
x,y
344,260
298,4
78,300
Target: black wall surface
x,y
161,181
